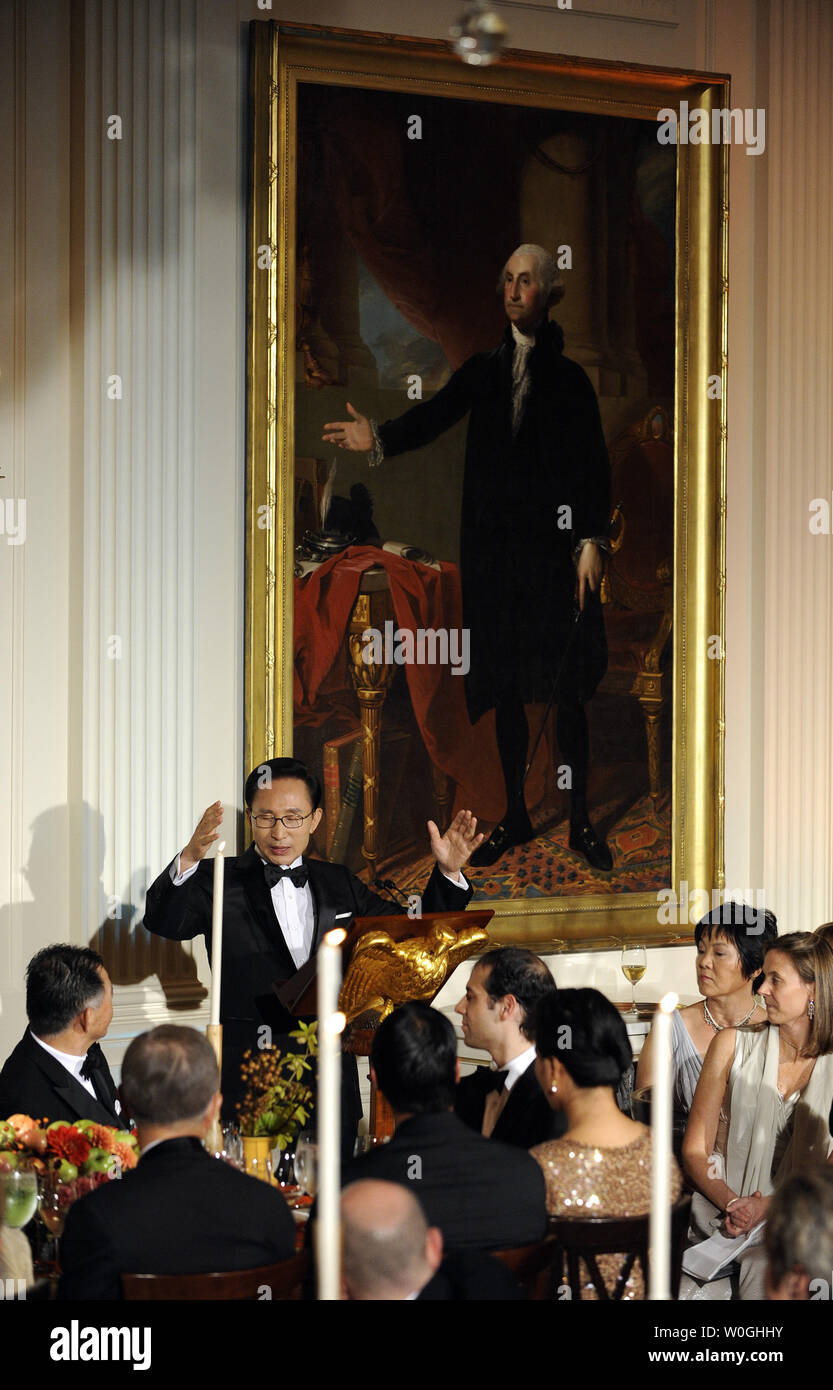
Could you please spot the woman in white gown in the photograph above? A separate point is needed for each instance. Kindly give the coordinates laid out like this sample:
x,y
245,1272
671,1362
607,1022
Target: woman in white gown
x,y
774,1085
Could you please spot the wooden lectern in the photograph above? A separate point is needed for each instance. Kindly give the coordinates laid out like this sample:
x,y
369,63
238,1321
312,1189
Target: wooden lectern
x,y
389,961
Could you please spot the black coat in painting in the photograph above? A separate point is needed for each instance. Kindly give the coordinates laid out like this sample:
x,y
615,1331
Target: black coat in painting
x,y
516,542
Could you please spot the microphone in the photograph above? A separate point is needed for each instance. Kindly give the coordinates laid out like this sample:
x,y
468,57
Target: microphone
x,y
390,887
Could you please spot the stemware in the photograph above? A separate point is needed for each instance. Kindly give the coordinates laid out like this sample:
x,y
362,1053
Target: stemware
x,y
21,1197
306,1162
634,963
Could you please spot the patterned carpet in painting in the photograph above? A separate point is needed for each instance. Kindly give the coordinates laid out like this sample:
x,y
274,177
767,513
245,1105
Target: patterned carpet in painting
x,y
639,837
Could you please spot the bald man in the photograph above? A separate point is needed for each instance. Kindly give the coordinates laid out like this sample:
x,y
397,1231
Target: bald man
x,y
391,1254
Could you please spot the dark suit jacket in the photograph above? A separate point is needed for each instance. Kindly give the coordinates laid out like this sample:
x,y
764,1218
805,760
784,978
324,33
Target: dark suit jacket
x,y
526,1118
471,1277
255,953
34,1083
482,1194
179,1212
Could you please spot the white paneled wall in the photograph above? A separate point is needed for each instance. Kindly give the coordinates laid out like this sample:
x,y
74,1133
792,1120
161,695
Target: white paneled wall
x,y
798,464
140,467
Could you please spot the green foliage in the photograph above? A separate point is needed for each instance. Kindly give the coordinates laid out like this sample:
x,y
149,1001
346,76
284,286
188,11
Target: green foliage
x,y
278,1096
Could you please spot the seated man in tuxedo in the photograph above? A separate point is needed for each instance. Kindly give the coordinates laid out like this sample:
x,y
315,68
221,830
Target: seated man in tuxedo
x,y
483,1195
391,1254
278,904
180,1211
58,1071
505,1101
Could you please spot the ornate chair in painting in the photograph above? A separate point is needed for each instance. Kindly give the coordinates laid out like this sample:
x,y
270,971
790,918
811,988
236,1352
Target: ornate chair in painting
x,y
637,589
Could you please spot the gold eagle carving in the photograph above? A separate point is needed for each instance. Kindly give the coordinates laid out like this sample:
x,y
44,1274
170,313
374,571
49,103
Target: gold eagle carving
x,y
383,973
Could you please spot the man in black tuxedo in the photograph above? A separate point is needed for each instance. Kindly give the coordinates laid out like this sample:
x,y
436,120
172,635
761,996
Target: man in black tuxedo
x,y
506,1101
58,1071
483,1195
278,904
180,1211
391,1254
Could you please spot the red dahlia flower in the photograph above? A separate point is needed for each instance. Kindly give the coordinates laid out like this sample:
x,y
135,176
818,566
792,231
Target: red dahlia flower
x,y
69,1143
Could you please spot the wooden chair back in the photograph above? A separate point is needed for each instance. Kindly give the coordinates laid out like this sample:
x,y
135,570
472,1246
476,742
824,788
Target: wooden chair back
x,y
532,1267
580,1239
283,1280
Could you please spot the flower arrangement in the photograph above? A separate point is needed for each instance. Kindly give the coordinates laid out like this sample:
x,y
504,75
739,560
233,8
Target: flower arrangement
x,y
277,1094
70,1151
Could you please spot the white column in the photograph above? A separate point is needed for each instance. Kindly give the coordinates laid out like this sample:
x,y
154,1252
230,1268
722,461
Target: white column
x,y
140,474
797,280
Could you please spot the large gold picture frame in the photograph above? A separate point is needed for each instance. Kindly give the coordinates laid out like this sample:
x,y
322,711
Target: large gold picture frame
x,y
281,57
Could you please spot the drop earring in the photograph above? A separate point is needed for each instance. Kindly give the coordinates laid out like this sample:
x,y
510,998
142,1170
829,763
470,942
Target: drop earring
x,y
554,1090
811,1008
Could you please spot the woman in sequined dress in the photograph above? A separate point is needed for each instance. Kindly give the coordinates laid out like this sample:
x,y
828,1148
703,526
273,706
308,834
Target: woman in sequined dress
x,y
602,1165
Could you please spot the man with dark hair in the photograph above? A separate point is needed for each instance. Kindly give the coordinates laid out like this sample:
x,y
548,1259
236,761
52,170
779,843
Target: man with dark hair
x,y
180,1211
497,1009
277,905
535,525
480,1193
58,1071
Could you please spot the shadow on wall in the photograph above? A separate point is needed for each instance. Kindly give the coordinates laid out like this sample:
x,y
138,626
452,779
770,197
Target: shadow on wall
x,y
130,953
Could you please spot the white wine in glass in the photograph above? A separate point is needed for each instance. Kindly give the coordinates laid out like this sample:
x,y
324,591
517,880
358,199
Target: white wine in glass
x,y
634,965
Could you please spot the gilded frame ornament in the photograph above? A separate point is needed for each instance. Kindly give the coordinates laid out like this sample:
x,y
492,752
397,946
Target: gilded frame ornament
x,y
282,55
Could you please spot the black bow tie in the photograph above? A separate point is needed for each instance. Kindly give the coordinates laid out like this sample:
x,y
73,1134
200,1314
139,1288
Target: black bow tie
x,y
273,873
497,1080
94,1061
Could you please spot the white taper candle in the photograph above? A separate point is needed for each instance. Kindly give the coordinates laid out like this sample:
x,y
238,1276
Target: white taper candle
x,y
661,1153
330,1027
217,935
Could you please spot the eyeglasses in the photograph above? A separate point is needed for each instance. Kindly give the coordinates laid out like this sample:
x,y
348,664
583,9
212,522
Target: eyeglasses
x,y
266,821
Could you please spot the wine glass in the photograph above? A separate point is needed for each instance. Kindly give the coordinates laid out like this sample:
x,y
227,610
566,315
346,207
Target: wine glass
x,y
260,1166
233,1146
306,1162
634,964
54,1198
21,1197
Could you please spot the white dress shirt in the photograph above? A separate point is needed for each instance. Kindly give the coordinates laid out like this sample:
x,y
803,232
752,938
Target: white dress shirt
x,y
294,909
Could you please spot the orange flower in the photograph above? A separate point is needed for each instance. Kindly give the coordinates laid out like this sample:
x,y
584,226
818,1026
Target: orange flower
x,y
69,1143
127,1154
101,1137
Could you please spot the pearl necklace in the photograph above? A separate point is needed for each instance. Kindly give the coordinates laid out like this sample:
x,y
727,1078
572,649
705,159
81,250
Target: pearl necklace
x,y
709,1018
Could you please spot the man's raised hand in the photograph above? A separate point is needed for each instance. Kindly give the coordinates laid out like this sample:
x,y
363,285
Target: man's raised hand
x,y
354,434
453,849
203,837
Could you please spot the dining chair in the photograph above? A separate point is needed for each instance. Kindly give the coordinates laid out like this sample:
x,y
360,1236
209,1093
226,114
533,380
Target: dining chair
x,y
580,1239
532,1267
283,1282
